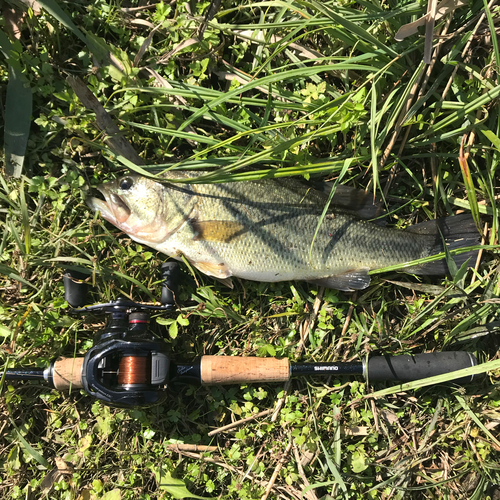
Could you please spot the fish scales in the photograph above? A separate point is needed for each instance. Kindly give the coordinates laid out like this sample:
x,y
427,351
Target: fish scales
x,y
281,235
264,230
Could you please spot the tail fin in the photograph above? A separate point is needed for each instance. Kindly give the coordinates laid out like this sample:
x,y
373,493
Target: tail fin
x,y
458,231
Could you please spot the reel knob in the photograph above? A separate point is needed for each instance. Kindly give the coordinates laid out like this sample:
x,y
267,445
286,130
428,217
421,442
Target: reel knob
x,y
75,288
170,276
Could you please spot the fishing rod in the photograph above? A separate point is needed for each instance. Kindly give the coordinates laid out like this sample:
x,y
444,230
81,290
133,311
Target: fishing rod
x,y
129,366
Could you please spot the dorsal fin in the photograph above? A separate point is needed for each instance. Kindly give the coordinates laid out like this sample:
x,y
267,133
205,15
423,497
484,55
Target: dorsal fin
x,y
356,201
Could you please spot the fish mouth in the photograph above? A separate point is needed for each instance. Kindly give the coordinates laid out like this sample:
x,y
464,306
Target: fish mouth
x,y
113,208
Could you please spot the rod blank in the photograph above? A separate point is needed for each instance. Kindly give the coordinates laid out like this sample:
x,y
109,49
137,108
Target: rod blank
x,y
24,374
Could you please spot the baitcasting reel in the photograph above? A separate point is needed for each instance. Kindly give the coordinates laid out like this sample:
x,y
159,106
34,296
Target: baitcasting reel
x,y
128,365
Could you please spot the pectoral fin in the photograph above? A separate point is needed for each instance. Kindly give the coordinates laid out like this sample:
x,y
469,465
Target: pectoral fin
x,y
347,282
220,271
217,230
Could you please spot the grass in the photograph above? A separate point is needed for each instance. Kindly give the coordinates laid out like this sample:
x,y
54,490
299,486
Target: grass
x,y
307,88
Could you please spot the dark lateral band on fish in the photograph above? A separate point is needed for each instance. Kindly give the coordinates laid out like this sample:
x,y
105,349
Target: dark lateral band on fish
x,y
262,230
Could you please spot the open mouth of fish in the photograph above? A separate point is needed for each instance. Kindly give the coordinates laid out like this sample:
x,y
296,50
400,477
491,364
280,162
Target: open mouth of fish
x,y
113,208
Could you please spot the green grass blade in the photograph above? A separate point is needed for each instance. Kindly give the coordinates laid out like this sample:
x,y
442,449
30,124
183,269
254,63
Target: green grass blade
x,y
179,134
352,28
18,107
12,274
14,231
344,170
477,316
470,107
25,219
333,469
425,260
373,136
469,186
28,448
490,135
474,417
278,77
53,8
494,39
71,260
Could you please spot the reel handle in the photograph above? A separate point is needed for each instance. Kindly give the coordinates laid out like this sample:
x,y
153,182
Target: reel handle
x,y
75,293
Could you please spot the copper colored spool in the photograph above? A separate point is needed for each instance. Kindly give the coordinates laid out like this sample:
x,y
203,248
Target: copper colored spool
x,y
134,370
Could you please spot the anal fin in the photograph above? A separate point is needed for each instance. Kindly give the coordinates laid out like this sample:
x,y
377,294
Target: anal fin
x,y
347,282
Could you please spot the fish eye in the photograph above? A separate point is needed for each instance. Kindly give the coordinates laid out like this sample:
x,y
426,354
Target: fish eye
x,y
126,183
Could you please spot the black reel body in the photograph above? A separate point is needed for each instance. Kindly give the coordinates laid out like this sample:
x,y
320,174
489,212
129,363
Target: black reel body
x,y
127,372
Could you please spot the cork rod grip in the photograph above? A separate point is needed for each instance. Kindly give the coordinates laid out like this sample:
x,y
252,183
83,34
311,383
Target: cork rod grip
x,y
234,370
67,373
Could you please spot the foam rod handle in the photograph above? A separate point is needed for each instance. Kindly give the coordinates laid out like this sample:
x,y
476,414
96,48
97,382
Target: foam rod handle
x,y
247,369
407,368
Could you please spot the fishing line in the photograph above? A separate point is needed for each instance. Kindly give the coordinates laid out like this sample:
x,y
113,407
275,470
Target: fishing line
x,y
134,370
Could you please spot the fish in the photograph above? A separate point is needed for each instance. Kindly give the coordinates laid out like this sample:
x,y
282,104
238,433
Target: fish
x,y
265,230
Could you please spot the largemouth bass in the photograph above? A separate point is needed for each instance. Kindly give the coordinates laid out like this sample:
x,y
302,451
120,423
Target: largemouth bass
x,y
263,230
